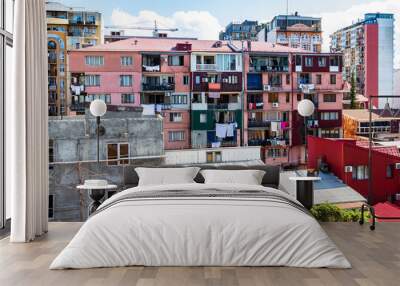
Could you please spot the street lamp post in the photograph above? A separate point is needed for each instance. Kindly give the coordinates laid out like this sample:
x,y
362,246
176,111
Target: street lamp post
x,y
305,108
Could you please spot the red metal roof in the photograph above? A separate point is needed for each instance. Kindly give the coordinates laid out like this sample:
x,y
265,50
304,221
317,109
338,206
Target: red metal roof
x,y
387,209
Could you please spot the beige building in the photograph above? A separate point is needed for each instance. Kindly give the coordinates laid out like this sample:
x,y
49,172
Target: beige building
x,y
68,29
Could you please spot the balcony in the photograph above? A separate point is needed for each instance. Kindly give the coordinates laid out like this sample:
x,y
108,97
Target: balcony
x,y
158,87
206,67
218,106
258,124
214,86
265,68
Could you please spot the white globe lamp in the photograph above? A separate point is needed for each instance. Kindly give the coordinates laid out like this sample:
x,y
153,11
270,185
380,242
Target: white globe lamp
x,y
98,108
306,108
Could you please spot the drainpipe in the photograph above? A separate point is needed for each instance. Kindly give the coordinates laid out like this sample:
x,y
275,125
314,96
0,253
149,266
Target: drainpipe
x,y
190,100
292,97
243,94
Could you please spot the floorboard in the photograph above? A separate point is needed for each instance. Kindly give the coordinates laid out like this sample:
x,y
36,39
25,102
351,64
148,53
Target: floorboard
x,y
375,257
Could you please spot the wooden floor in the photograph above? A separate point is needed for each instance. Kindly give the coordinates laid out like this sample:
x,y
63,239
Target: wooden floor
x,y
375,257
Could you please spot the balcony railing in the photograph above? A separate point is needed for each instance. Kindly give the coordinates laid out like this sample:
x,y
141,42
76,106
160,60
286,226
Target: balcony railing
x,y
158,87
269,68
213,106
206,67
155,68
269,142
255,105
258,124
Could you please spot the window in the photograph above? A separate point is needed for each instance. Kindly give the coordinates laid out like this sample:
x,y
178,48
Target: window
x,y
308,61
330,133
214,157
287,97
203,118
330,115
226,62
329,97
51,151
174,136
333,79
104,97
197,98
127,98
126,61
92,80
389,171
273,98
51,206
287,79
94,60
175,117
360,173
175,60
185,80
126,80
178,99
277,153
322,62
118,154
6,65
318,79
299,97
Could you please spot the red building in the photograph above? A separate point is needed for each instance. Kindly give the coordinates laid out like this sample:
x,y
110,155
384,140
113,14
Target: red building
x,y
348,160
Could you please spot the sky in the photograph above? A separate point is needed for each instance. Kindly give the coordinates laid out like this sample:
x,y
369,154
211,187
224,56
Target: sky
x,y
206,18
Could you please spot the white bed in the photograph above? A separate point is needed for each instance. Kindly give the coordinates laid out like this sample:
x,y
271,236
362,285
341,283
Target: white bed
x,y
246,225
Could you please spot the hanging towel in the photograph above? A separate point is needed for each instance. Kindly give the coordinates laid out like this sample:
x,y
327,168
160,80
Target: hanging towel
x,y
221,130
230,130
274,126
215,144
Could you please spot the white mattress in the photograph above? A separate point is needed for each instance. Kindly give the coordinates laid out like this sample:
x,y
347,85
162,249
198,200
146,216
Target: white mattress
x,y
200,231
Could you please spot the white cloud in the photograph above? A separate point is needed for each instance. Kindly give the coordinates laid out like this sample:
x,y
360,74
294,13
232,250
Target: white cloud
x,y
200,24
332,21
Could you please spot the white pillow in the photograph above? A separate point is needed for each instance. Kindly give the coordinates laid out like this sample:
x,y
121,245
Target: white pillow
x,y
166,176
247,177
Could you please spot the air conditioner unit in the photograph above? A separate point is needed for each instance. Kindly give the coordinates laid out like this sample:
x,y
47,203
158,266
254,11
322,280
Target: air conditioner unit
x,y
348,169
275,104
267,87
397,166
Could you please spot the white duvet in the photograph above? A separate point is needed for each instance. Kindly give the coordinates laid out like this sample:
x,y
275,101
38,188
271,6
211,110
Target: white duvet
x,y
207,231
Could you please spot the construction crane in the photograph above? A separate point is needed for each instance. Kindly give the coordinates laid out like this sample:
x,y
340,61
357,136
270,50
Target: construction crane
x,y
156,30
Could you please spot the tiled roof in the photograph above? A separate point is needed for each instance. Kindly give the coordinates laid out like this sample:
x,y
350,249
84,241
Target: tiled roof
x,y
390,150
150,44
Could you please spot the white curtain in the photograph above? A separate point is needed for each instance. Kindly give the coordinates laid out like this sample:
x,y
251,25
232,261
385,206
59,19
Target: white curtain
x,y
26,124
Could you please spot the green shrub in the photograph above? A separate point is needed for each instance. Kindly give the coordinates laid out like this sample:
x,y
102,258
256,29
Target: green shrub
x,y
327,212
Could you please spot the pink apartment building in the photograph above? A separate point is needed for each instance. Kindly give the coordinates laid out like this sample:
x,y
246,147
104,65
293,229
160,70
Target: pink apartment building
x,y
200,86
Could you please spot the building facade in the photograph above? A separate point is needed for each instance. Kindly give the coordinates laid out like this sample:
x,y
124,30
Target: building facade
x,y
214,94
348,160
68,28
245,31
384,123
276,81
368,55
293,31
129,139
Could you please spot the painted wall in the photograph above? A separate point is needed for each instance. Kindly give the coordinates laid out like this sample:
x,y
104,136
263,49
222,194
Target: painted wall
x,y
341,153
371,61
